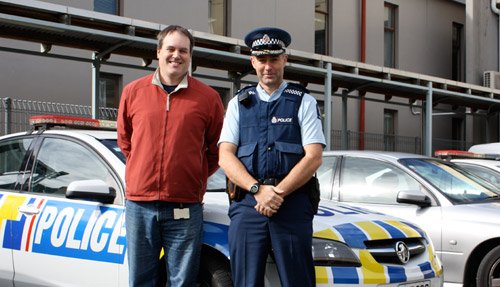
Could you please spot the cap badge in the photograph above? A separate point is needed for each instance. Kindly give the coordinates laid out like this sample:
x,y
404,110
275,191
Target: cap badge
x,y
266,39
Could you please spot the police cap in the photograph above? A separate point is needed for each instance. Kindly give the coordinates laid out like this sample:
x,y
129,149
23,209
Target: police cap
x,y
268,41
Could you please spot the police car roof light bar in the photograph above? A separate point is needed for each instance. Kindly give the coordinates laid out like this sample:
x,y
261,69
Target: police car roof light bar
x,y
48,121
457,154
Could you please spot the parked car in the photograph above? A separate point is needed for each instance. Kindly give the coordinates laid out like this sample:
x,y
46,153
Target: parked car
x,y
62,222
486,166
487,148
460,211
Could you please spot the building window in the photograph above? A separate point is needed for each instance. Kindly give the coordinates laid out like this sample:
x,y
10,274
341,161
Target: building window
x,y
107,6
217,17
456,73
389,129
389,35
109,90
321,24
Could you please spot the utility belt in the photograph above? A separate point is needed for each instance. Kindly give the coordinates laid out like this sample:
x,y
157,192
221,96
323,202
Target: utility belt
x,y
311,188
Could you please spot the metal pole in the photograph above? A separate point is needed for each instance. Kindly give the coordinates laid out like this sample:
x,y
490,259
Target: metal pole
x,y
96,65
8,111
344,120
328,106
428,121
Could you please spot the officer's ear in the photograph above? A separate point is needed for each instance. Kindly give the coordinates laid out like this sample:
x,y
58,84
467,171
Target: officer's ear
x,y
285,59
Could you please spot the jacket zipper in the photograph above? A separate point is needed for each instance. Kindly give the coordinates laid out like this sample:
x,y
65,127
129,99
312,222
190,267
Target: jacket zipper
x,y
163,145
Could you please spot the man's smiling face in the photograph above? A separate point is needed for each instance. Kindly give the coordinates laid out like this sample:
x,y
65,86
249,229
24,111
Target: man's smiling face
x,y
174,58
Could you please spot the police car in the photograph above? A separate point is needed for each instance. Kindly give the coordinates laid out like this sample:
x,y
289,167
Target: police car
x,y
62,221
486,166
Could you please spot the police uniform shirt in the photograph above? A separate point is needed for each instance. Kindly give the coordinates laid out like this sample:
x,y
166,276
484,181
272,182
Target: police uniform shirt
x,y
309,118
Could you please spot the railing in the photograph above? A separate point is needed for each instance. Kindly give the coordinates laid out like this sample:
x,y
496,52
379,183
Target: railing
x,y
15,114
377,142
381,142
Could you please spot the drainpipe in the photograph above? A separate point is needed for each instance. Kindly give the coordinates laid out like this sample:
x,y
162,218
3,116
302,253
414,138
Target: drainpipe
x,y
495,10
363,60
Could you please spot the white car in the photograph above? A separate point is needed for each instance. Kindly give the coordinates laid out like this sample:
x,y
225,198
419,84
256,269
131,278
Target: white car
x,y
62,222
459,211
486,166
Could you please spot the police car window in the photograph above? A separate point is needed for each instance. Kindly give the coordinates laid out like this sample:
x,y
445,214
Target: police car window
x,y
60,162
112,145
373,181
325,176
483,172
12,153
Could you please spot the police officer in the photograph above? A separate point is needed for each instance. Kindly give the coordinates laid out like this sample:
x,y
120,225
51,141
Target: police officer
x,y
270,147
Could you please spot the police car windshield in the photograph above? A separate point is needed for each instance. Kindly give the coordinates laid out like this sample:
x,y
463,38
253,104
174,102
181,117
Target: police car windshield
x,y
456,183
112,145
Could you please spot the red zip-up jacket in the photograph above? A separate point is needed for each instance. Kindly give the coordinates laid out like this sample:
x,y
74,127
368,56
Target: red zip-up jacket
x,y
170,140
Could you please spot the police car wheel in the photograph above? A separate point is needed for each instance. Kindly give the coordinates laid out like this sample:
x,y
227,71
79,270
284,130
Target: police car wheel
x,y
488,274
214,269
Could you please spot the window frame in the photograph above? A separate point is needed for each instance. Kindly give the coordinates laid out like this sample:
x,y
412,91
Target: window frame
x,y
389,136
457,49
118,6
225,19
326,15
117,79
393,31
27,187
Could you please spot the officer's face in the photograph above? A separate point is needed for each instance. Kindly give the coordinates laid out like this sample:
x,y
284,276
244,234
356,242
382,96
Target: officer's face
x,y
269,69
174,58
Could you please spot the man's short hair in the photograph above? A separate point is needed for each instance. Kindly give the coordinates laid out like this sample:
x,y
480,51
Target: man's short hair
x,y
172,28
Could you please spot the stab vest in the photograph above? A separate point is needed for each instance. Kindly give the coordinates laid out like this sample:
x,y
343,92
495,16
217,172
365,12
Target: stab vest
x,y
270,142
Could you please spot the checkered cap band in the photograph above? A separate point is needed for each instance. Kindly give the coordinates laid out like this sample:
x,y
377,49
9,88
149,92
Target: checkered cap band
x,y
266,42
267,52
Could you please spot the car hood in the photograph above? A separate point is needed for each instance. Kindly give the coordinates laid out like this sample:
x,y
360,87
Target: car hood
x,y
355,226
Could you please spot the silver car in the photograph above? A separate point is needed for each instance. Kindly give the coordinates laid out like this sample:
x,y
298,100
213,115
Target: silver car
x,y
459,211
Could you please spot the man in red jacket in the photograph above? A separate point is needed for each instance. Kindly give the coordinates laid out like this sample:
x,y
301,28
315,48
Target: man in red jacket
x,y
168,127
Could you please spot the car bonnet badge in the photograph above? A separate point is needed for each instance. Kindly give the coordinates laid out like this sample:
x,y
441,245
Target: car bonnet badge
x,y
402,251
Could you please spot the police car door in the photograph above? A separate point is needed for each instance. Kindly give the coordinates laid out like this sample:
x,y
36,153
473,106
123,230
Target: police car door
x,y
13,155
68,242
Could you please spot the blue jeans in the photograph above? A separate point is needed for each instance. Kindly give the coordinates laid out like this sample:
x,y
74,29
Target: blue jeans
x,y
150,226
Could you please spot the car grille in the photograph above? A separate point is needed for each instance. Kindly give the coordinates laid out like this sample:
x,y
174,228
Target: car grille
x,y
384,251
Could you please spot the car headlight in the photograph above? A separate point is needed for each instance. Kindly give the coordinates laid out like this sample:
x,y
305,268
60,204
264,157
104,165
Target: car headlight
x,y
333,253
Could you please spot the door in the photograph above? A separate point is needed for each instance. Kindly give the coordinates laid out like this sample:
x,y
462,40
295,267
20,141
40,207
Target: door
x,y
67,242
13,154
375,184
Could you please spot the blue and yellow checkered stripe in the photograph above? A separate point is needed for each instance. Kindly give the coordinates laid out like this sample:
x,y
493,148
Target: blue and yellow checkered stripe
x,y
371,272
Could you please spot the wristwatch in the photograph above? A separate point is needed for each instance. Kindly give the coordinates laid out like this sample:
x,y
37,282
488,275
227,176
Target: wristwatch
x,y
255,188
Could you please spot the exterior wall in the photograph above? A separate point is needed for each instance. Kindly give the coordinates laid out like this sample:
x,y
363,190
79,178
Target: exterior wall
x,y
424,45
295,16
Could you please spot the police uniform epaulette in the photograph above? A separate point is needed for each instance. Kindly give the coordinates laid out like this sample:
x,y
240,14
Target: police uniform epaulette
x,y
245,88
294,88
243,94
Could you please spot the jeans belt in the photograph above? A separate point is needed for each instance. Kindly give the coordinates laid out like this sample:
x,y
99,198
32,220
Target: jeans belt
x,y
270,181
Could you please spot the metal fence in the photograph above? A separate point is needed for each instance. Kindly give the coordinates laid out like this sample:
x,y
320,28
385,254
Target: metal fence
x,y
381,142
15,114
377,142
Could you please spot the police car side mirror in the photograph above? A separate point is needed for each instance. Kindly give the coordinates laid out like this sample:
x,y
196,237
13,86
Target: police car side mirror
x,y
416,197
94,189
